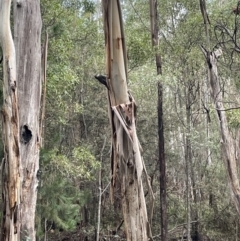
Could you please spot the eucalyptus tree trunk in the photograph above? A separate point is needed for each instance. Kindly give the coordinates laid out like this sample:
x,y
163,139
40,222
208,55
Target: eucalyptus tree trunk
x,y
188,156
100,191
162,163
227,142
27,38
127,162
203,8
11,188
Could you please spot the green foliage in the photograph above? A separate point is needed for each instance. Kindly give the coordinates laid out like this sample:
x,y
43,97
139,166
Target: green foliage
x,y
59,203
234,118
80,163
59,196
76,114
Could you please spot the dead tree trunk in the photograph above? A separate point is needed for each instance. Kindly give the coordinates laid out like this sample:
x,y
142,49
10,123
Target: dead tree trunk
x,y
11,188
227,142
127,162
27,37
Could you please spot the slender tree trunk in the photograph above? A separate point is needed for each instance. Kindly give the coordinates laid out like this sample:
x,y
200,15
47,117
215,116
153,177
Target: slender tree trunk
x,y
227,142
206,22
127,162
155,32
100,191
99,202
162,163
27,37
188,163
194,209
11,186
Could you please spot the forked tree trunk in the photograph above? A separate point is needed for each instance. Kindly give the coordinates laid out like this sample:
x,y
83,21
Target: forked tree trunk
x,y
227,142
11,188
127,162
27,36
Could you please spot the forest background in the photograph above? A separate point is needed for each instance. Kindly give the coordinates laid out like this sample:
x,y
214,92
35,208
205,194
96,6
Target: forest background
x,y
77,136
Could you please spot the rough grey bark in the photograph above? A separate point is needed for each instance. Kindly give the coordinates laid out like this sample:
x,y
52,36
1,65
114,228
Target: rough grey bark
x,y
27,33
162,162
11,188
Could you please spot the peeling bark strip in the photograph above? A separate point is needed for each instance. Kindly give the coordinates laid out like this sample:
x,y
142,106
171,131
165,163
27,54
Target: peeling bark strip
x,y
27,36
44,94
227,142
127,162
11,188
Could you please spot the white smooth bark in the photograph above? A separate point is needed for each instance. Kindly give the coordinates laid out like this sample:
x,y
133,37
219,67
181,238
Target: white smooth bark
x,y
127,162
